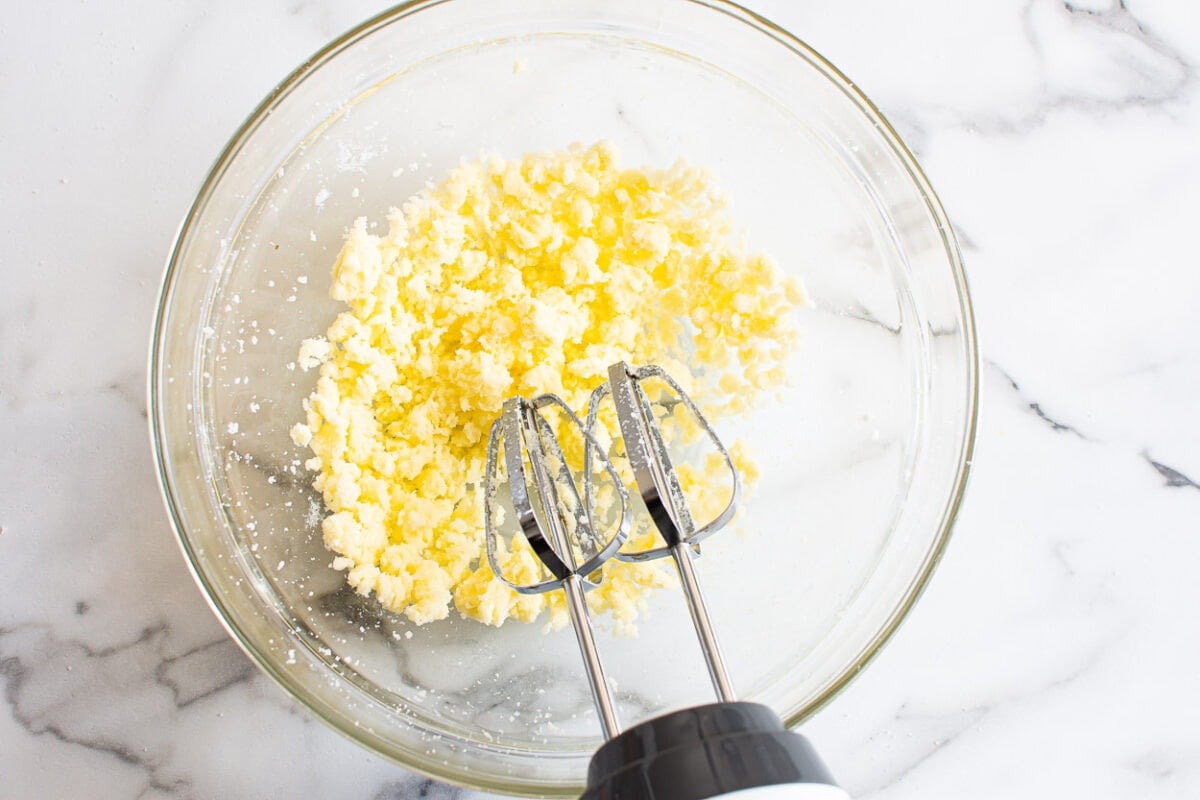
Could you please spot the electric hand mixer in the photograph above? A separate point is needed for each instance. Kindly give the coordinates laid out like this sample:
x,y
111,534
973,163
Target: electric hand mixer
x,y
728,749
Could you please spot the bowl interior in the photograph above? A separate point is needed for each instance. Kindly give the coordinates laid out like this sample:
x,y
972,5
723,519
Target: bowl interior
x,y
862,456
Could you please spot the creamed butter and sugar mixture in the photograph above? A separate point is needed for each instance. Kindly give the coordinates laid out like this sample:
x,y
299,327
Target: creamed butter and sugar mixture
x,y
517,277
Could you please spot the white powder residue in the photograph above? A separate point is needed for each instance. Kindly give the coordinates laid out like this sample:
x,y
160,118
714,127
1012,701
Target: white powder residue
x,y
313,518
351,160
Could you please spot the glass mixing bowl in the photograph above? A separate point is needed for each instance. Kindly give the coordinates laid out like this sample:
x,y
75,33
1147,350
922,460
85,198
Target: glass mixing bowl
x,y
863,457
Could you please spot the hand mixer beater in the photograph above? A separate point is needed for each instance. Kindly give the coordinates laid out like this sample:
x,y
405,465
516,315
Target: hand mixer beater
x,y
727,749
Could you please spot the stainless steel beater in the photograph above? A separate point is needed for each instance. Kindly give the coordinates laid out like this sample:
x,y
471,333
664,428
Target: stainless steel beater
x,y
564,540
661,492
724,749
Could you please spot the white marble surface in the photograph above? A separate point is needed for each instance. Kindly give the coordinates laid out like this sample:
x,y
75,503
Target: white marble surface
x,y
1055,653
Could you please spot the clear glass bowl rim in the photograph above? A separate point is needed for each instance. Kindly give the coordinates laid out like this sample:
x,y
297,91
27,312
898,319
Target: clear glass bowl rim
x,y
312,64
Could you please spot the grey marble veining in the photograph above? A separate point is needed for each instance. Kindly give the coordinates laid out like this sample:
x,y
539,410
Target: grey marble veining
x,y
1054,653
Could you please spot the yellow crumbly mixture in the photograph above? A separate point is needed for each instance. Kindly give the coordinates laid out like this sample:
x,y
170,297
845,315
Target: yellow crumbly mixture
x,y
516,277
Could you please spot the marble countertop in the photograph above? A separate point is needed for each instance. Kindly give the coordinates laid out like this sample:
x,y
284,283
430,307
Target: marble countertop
x,y
1055,653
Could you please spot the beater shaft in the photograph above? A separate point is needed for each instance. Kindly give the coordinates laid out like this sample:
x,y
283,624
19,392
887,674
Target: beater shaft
x,y
581,621
682,554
